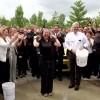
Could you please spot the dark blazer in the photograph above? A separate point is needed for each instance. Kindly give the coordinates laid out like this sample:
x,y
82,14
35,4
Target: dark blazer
x,y
61,40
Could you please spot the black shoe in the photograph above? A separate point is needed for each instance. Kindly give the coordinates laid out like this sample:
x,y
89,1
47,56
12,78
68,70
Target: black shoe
x,y
98,76
1,92
16,77
71,86
20,76
76,87
38,76
23,75
60,78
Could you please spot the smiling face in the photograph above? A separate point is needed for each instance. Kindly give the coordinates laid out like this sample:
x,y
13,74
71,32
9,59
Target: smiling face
x,y
88,35
56,29
75,27
3,32
46,33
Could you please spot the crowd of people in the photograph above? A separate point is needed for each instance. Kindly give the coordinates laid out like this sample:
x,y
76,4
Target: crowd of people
x,y
42,49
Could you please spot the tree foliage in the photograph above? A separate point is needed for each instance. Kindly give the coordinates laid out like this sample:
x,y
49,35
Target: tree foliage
x,y
40,19
19,20
33,19
78,13
61,20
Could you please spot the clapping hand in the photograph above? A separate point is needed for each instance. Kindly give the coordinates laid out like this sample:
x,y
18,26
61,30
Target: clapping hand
x,y
81,48
21,37
53,36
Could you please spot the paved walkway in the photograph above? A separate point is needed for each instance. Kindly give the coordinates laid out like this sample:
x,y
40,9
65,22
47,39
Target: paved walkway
x,y
28,88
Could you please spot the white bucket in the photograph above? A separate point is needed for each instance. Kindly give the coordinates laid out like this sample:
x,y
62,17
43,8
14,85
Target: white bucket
x,y
82,57
9,90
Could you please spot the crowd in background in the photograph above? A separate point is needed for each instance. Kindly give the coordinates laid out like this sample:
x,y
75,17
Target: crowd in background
x,y
41,50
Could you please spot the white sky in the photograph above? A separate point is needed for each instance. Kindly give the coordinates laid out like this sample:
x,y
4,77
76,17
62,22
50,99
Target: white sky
x,y
48,7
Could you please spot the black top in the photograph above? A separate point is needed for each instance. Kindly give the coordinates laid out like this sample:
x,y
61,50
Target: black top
x,y
46,48
96,46
31,50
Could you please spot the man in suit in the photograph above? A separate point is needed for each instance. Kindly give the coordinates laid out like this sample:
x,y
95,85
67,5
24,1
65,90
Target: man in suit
x,y
60,50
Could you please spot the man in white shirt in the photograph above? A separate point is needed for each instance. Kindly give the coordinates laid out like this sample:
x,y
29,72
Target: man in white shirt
x,y
73,41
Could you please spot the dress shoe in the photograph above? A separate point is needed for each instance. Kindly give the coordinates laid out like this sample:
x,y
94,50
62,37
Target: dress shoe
x,y
1,92
71,86
20,76
60,78
50,94
23,75
45,95
38,76
16,77
76,87
98,76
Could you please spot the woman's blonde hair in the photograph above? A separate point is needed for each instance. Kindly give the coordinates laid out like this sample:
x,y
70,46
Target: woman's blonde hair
x,y
2,29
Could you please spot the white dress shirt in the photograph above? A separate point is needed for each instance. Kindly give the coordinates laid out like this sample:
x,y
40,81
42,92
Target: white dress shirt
x,y
75,41
4,45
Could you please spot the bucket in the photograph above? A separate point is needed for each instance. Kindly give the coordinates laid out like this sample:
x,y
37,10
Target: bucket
x,y
9,90
82,57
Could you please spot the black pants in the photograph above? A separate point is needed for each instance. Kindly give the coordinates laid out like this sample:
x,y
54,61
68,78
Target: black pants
x,y
60,65
96,63
46,76
75,71
22,65
4,73
87,70
34,65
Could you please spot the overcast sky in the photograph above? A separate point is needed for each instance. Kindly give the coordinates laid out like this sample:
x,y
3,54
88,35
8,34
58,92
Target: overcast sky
x,y
48,7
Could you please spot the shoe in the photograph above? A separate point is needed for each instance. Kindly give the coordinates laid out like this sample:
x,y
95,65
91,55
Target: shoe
x,y
45,95
76,87
16,77
1,93
38,76
98,76
71,86
50,94
86,79
20,76
23,75
60,78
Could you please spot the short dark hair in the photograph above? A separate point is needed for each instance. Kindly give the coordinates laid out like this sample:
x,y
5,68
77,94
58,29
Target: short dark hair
x,y
57,25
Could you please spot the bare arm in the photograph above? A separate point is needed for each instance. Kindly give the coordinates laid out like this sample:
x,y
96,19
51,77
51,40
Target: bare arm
x,y
35,42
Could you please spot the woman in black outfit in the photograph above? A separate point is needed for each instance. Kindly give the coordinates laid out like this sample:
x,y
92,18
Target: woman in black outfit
x,y
46,44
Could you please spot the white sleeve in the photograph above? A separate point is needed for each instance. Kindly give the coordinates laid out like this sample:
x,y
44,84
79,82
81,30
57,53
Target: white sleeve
x,y
4,44
67,43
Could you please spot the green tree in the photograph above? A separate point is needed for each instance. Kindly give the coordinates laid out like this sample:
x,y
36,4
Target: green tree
x,y
25,21
96,21
13,23
61,20
78,13
3,20
39,19
19,16
33,19
44,23
54,20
